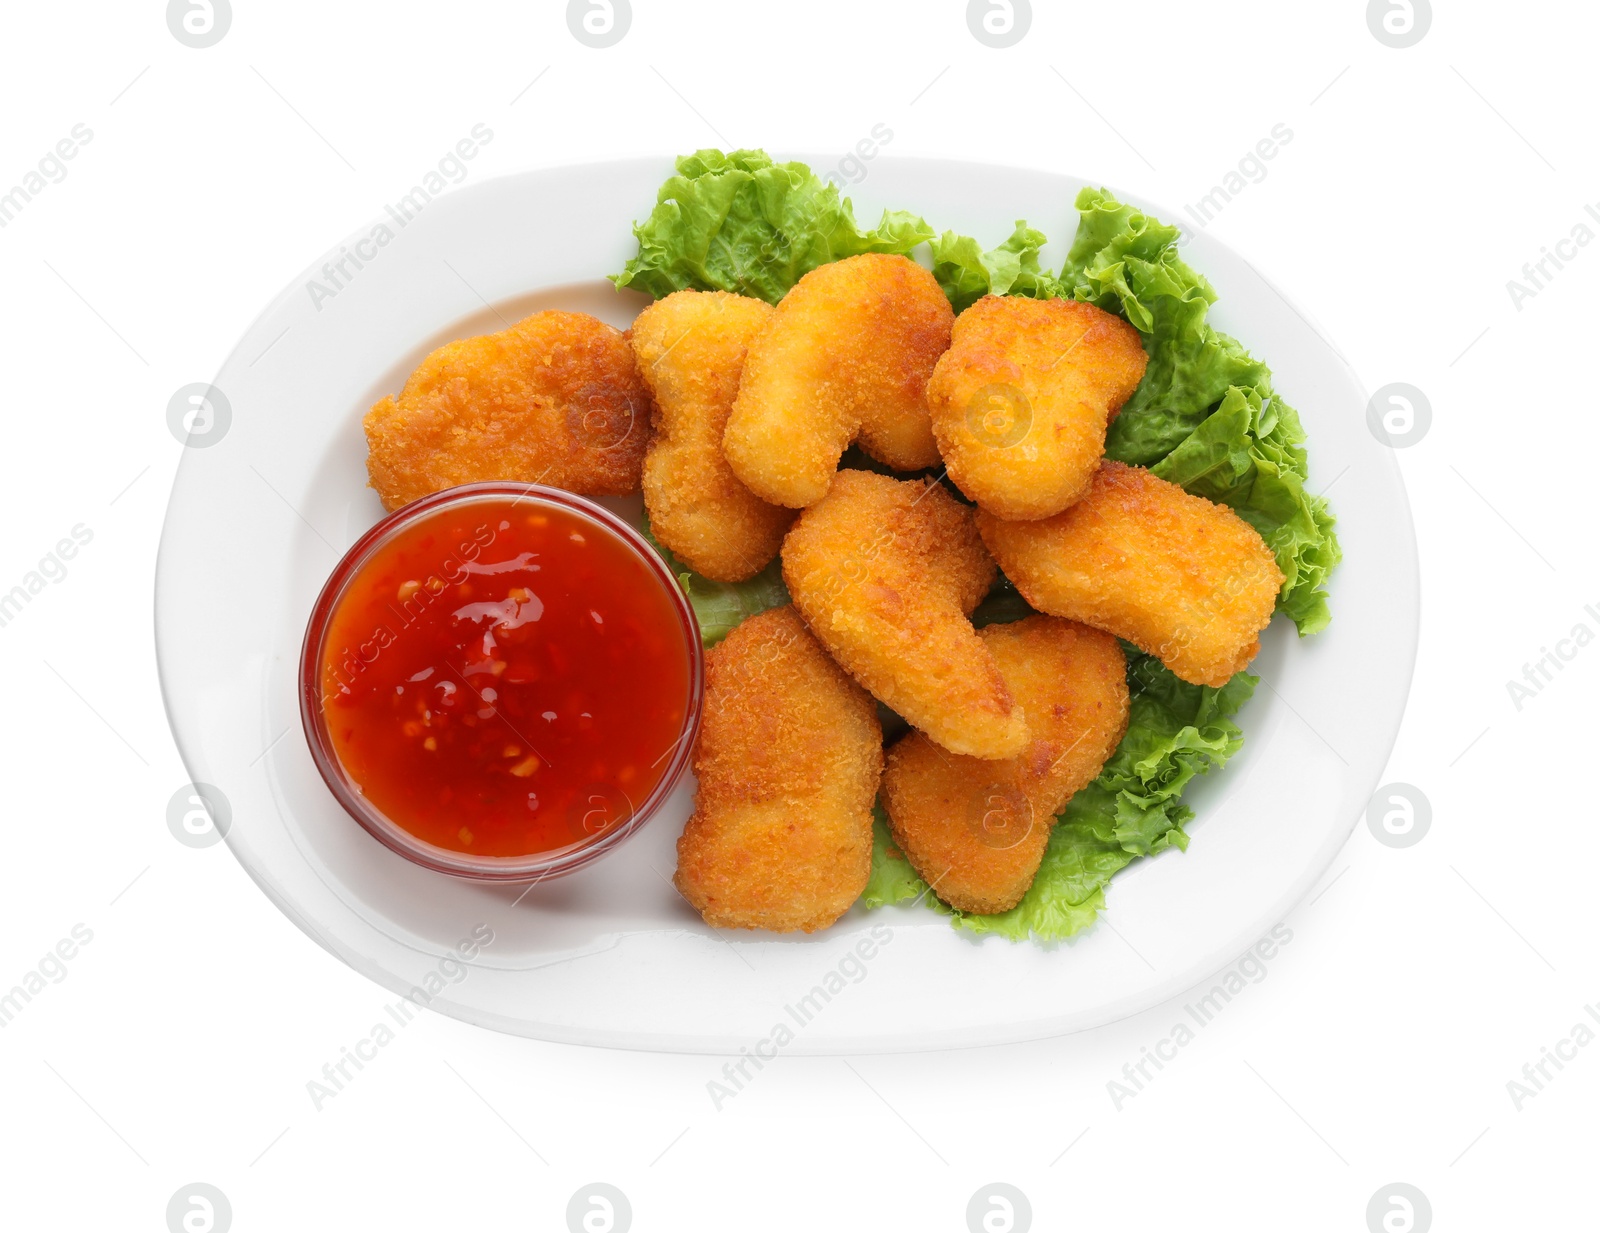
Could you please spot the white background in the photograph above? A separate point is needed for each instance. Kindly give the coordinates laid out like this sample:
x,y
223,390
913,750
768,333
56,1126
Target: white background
x,y
1420,980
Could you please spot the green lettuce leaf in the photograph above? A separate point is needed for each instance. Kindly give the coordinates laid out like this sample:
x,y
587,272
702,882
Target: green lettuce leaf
x,y
967,273
1127,263
1247,455
740,222
720,606
1132,809
892,879
1205,416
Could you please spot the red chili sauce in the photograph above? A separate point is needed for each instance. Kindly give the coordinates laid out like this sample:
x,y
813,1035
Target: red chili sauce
x,y
505,678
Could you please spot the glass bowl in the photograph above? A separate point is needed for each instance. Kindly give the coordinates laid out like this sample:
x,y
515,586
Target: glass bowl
x,y
536,866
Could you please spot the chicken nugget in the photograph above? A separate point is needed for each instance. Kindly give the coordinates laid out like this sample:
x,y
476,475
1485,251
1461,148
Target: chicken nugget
x,y
1185,580
846,357
886,573
976,830
1021,401
788,760
552,400
690,349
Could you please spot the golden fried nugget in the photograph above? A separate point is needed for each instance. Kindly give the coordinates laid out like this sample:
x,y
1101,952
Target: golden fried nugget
x,y
553,400
690,349
1021,401
846,357
1185,580
886,573
788,760
975,830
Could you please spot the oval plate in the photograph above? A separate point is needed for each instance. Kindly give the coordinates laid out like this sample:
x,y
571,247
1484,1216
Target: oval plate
x,y
612,955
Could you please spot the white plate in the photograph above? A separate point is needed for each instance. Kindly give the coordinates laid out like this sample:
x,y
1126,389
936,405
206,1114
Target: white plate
x,y
611,955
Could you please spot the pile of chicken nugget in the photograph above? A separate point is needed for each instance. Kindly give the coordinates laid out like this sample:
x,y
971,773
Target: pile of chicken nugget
x,y
731,416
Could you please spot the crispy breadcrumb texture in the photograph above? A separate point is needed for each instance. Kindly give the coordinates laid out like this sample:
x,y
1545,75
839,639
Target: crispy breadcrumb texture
x,y
1021,401
690,350
554,399
846,357
886,573
976,830
1181,578
788,761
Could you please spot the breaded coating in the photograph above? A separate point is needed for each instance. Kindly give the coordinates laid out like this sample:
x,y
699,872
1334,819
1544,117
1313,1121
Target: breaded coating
x,y
886,573
552,400
846,357
1185,580
976,831
788,760
1021,401
690,350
